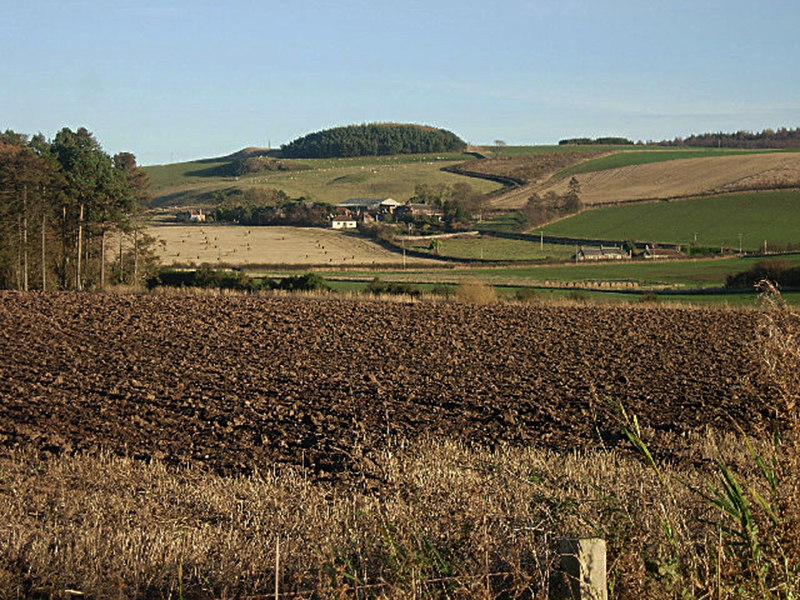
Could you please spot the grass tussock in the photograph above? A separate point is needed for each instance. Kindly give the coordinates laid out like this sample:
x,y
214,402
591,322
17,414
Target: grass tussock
x,y
475,291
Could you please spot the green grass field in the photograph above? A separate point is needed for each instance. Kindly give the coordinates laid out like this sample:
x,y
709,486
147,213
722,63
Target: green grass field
x,y
545,295
770,216
688,274
495,249
326,180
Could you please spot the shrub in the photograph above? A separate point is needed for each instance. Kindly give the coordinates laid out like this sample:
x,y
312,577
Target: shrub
x,y
579,297
208,278
445,291
308,282
475,291
379,287
778,270
526,295
378,231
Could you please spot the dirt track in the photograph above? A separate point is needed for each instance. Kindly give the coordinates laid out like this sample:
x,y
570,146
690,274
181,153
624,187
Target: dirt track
x,y
673,179
237,383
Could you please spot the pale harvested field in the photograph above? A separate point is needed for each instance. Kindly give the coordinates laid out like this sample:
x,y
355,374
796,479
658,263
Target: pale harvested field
x,y
674,179
241,245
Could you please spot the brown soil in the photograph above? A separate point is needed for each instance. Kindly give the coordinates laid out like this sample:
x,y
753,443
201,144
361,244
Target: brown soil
x,y
240,383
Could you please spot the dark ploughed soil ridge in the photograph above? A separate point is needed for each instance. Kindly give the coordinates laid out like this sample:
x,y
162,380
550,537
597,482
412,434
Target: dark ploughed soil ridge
x,y
242,383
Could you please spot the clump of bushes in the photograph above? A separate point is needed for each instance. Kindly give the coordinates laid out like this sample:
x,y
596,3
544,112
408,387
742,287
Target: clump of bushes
x,y
207,277
379,287
777,270
381,232
308,282
526,295
649,298
444,291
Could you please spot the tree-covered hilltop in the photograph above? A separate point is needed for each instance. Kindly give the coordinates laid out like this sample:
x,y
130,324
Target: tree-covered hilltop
x,y
373,139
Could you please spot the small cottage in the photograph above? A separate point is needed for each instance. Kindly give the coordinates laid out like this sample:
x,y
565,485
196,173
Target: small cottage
x,y
601,253
191,216
343,223
655,253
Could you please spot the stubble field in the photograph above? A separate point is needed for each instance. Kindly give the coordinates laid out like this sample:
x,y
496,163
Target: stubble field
x,y
671,179
296,246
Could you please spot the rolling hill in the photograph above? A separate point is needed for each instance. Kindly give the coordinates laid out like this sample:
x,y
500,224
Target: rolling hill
x,y
670,178
327,180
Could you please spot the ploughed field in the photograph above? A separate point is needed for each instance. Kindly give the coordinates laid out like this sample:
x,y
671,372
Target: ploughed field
x,y
243,383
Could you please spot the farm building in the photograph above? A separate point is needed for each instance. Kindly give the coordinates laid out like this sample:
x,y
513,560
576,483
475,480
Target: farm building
x,y
418,210
601,253
655,253
375,207
343,223
191,216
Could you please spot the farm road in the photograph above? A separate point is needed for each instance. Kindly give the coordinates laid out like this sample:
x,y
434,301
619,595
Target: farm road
x,y
242,383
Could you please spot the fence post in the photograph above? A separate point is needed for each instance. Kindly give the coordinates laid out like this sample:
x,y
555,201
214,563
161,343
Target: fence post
x,y
583,570
277,567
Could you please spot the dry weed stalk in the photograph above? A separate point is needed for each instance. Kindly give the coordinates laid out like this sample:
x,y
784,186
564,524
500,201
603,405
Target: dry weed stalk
x,y
475,291
778,337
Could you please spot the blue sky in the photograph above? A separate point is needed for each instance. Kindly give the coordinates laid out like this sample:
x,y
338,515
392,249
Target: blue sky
x,y
175,80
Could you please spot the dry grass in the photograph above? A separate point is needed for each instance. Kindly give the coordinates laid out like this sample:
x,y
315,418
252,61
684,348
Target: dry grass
x,y
433,517
475,291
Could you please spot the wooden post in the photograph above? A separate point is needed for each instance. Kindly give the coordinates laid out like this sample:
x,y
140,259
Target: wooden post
x,y
277,567
583,570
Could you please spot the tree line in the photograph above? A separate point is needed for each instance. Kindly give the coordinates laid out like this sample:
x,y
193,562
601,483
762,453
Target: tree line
x,y
601,141
60,202
289,212
748,140
373,139
769,138
460,203
268,206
